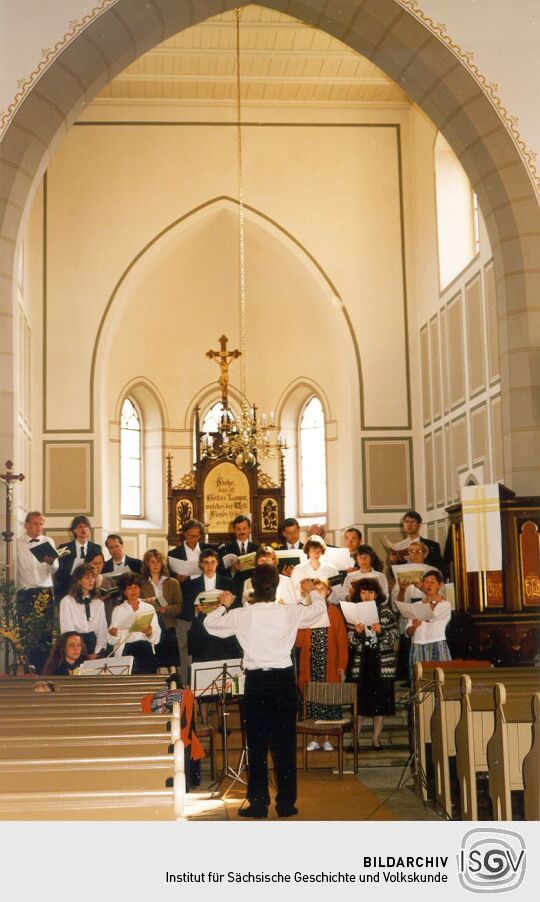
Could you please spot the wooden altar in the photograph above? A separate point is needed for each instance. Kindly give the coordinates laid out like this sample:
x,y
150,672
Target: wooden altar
x,y
215,492
226,479
503,606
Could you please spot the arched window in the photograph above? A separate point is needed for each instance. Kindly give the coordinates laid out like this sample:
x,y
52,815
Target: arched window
x,y
212,418
456,215
312,459
130,461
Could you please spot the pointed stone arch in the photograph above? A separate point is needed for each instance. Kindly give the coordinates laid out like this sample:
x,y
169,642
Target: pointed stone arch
x,y
408,51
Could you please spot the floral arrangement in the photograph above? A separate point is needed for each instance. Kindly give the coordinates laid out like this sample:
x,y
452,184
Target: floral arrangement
x,y
24,629
9,629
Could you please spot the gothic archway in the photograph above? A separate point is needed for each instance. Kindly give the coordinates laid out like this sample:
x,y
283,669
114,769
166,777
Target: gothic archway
x,y
405,48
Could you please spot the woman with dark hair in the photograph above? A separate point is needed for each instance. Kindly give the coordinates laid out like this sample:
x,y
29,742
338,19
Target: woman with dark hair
x,y
266,631
67,653
165,595
368,565
372,664
139,643
428,637
82,610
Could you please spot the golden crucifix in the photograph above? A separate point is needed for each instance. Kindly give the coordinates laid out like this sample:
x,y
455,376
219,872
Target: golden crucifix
x,y
224,358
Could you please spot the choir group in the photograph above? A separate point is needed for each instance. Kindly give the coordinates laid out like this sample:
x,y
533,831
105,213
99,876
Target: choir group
x,y
286,609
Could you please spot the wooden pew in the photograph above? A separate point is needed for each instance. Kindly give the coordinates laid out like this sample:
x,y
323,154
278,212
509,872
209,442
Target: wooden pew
x,y
144,805
60,752
507,748
531,767
446,715
425,703
473,732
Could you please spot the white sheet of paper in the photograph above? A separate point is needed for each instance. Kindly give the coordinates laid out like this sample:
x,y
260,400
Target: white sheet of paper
x,y
418,610
229,559
291,552
364,612
340,558
184,568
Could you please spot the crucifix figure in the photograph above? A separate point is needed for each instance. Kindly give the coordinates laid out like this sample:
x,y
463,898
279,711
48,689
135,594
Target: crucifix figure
x,y
8,478
224,358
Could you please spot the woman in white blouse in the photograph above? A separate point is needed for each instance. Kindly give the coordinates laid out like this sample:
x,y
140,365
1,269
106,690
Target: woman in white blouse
x,y
140,643
314,569
429,636
285,593
82,611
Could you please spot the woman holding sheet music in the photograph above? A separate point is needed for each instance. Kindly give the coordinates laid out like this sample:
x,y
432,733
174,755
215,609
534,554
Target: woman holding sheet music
x,y
165,594
429,636
304,574
285,591
139,642
368,565
372,663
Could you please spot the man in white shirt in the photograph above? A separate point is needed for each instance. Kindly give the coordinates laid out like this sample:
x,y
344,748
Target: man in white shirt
x,y
266,632
35,579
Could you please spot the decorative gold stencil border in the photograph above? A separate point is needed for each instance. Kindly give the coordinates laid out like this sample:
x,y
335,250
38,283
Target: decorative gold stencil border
x,y
439,29
48,55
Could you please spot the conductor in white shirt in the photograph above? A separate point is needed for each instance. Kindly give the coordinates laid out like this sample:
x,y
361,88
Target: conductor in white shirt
x,y
34,578
266,632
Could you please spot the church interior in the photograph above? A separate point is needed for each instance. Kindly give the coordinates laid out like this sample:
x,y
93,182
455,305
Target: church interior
x,y
322,217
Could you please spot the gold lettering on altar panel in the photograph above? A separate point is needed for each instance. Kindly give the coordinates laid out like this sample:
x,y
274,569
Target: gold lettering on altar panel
x,y
226,494
529,541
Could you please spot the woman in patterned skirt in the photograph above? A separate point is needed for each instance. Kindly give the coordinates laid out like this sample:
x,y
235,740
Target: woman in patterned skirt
x,y
323,659
428,637
373,659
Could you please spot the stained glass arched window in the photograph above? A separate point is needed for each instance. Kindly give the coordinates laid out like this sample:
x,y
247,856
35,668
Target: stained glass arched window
x,y
130,461
312,459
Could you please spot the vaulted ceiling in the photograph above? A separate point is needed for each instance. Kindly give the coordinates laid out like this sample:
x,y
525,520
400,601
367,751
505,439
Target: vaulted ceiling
x,y
282,60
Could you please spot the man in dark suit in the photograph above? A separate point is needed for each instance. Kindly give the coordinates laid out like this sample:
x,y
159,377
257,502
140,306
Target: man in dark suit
x,y
202,646
240,545
119,562
411,524
290,534
80,550
190,549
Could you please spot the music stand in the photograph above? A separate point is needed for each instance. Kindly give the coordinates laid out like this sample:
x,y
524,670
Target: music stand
x,y
221,679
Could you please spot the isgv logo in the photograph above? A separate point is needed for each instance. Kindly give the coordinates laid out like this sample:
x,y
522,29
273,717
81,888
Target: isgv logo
x,y
491,861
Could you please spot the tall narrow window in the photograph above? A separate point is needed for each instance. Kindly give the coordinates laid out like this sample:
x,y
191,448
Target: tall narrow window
x,y
312,459
212,419
130,461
